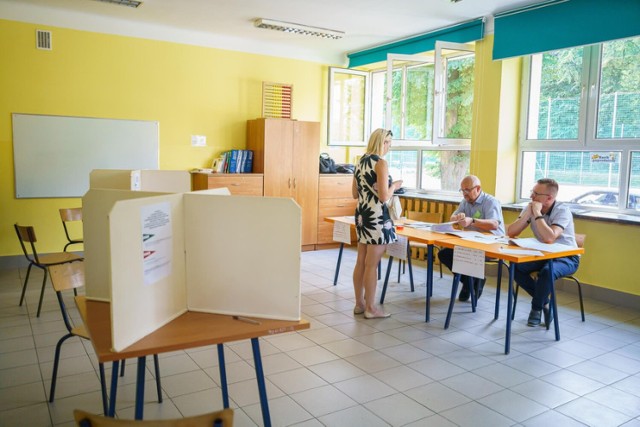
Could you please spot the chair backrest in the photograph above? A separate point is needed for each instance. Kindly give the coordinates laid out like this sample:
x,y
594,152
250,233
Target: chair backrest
x,y
70,215
580,238
222,418
432,217
27,234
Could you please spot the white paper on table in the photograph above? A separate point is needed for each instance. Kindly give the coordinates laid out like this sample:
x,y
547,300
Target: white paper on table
x,y
468,261
533,243
484,238
420,225
521,252
342,232
445,227
398,249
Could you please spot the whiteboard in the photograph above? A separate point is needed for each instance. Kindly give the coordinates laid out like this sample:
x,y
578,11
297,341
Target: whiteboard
x,y
54,155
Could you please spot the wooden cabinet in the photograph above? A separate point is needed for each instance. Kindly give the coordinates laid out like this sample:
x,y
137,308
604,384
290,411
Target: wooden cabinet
x,y
286,152
334,199
238,184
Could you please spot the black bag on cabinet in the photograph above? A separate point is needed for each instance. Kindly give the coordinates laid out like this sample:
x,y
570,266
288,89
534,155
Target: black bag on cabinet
x,y
327,165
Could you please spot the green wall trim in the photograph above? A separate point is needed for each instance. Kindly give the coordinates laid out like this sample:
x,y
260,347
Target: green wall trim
x,y
564,24
460,33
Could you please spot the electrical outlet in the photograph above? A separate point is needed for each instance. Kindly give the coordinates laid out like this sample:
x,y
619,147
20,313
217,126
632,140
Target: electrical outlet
x,y
198,140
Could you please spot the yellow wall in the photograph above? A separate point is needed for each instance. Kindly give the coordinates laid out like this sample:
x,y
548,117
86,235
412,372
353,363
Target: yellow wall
x,y
189,90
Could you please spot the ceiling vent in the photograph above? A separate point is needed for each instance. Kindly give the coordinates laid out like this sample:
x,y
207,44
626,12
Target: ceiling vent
x,y
43,40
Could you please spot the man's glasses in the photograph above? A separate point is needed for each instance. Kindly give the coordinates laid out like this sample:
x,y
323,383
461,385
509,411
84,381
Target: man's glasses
x,y
467,190
535,194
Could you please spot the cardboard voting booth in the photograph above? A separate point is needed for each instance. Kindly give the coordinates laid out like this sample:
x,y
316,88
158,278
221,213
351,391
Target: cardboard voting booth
x,y
141,180
155,256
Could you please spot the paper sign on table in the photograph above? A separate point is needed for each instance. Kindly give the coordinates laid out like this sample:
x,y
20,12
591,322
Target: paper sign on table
x,y
342,232
398,249
468,261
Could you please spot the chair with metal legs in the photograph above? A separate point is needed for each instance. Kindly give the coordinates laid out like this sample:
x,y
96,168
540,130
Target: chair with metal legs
x,y
27,237
68,216
66,277
580,238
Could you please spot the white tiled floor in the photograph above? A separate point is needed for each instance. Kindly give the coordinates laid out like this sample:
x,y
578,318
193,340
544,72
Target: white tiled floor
x,y
348,371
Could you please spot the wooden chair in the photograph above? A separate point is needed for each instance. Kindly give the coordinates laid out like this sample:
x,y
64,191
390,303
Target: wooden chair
x,y
580,238
223,418
27,238
68,215
66,277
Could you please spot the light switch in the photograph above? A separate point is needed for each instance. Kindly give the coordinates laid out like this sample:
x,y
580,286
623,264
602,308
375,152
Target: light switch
x,y
198,140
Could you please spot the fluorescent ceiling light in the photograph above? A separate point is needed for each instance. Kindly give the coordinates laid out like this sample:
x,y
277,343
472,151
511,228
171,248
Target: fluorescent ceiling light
x,y
129,3
289,27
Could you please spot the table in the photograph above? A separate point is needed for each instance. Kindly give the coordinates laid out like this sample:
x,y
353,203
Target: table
x,y
418,235
494,251
191,329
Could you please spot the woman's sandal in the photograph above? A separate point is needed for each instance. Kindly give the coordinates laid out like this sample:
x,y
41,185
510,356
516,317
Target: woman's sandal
x,y
358,310
378,315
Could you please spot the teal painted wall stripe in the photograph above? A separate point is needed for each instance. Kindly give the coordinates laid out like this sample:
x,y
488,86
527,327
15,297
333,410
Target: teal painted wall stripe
x,y
564,24
461,33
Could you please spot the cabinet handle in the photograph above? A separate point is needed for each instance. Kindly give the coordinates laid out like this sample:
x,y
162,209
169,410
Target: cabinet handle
x,y
340,206
289,184
235,184
294,183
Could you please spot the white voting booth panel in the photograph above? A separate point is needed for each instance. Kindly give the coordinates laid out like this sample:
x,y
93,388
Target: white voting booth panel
x,y
96,207
243,255
220,254
165,181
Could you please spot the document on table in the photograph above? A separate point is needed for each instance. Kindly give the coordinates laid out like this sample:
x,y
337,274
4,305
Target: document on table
x,y
468,261
342,232
398,249
488,239
533,243
520,252
419,225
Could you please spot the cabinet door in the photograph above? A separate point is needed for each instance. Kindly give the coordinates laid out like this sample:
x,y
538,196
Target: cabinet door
x,y
306,150
278,158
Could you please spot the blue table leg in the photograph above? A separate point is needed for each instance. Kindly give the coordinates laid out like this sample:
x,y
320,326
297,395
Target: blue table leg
x,y
142,362
554,305
223,376
429,282
335,279
114,388
454,292
262,389
386,280
507,340
499,280
158,383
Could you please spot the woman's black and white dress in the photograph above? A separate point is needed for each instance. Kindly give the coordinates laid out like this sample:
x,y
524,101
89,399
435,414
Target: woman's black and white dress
x,y
373,223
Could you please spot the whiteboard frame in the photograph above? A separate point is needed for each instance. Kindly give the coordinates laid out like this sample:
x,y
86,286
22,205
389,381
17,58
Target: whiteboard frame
x,y
54,155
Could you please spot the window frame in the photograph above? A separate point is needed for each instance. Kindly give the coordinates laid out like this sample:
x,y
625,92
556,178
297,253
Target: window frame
x,y
586,140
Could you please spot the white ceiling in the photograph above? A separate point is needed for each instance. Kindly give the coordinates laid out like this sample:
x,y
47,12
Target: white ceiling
x,y
228,24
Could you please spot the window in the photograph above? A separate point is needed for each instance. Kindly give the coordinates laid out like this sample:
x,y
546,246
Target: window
x,y
581,125
409,96
348,94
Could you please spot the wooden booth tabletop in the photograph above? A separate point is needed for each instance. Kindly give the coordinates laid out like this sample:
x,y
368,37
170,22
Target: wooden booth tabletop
x,y
189,330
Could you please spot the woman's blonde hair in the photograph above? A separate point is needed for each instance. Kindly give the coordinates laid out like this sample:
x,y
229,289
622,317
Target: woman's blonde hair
x,y
376,141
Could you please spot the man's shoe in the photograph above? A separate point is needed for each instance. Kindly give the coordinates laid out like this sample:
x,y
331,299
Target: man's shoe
x,y
534,317
547,316
464,294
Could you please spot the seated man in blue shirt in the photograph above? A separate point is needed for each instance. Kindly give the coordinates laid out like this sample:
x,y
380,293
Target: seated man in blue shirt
x,y
551,222
478,211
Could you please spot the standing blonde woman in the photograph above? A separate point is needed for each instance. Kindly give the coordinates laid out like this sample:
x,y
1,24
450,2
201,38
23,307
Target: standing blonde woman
x,y
374,227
